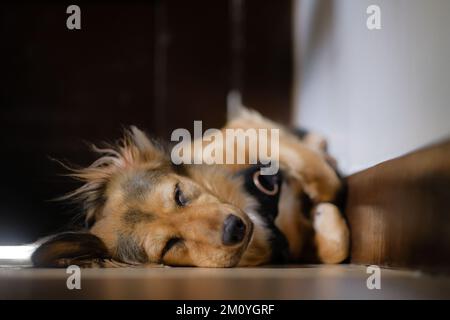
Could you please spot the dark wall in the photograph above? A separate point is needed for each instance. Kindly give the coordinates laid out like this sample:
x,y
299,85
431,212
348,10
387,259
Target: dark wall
x,y
158,65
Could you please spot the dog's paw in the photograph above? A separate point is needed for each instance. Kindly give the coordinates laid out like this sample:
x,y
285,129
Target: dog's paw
x,y
332,236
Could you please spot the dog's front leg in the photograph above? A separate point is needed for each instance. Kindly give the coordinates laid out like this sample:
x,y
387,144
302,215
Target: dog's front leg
x,y
331,236
309,170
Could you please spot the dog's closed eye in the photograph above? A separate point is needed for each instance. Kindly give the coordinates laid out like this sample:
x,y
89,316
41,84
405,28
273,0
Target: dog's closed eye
x,y
180,198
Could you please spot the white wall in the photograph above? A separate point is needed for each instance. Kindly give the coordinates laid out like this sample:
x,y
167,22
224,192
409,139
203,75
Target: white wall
x,y
374,94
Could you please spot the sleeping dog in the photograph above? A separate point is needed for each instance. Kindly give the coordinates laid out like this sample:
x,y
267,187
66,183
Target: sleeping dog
x,y
141,209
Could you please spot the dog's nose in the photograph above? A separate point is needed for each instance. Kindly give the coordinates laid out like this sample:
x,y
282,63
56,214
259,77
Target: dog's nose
x,y
233,230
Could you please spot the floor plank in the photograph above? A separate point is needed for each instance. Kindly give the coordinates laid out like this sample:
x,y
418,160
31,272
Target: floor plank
x,y
292,282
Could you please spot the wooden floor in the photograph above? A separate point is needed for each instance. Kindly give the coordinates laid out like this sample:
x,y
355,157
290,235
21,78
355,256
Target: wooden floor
x,y
293,282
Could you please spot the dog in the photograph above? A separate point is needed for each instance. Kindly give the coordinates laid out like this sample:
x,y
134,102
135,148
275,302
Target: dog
x,y
142,210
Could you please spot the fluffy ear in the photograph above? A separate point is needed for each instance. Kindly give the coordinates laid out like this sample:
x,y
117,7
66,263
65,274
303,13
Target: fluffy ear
x,y
70,248
135,149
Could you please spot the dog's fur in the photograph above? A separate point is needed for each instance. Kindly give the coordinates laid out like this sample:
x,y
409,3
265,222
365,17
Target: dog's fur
x,y
143,210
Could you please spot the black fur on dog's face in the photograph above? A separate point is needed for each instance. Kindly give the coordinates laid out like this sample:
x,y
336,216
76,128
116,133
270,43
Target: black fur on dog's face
x,y
143,210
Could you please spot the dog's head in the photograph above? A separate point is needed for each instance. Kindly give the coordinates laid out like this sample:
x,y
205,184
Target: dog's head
x,y
141,209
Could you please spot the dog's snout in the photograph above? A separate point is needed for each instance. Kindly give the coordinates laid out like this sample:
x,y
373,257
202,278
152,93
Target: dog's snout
x,y
233,230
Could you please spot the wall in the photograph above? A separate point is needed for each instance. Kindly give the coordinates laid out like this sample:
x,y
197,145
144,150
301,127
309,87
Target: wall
x,y
160,65
375,94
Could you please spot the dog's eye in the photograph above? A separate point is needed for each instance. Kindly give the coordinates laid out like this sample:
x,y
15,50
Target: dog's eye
x,y
169,245
267,184
180,199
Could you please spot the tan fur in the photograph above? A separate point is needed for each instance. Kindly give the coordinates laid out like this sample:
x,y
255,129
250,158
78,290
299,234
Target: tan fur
x,y
307,168
291,221
129,193
199,224
331,233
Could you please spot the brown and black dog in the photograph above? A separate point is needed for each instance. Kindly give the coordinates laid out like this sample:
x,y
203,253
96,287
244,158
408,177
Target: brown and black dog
x,y
143,210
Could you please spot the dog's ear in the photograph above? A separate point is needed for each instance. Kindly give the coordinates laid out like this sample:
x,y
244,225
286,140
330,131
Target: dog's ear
x,y
70,248
135,149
